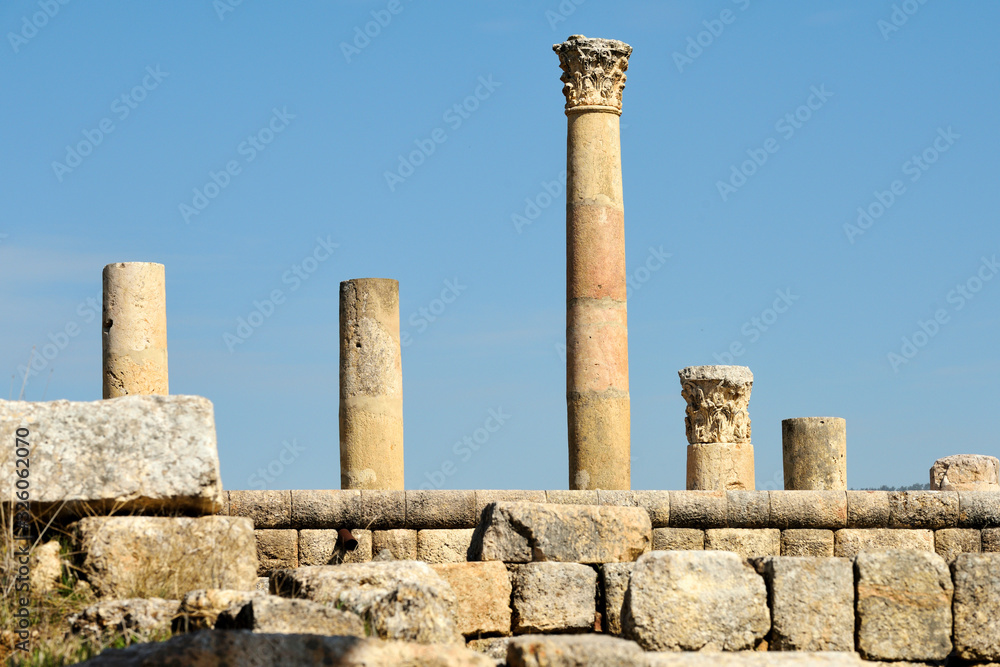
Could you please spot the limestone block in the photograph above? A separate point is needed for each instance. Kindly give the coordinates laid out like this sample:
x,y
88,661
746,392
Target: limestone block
x,y
276,549
402,600
572,497
263,584
400,542
808,509
717,400
678,539
249,648
966,472
849,542
748,509
46,567
698,509
977,606
128,454
656,503
949,542
444,546
923,509
978,509
326,509
812,603
441,509
614,584
525,532
695,600
199,609
991,540
573,651
484,498
323,547
807,542
482,593
273,614
494,648
765,659
903,605
135,556
382,510
867,509
123,617
267,509
553,597
747,542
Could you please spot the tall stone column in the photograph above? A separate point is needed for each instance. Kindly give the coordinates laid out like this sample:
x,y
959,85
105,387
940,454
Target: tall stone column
x,y
371,385
596,319
134,329
814,452
717,423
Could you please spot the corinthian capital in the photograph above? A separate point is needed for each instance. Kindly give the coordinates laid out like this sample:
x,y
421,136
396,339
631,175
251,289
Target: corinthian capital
x,y
593,71
717,401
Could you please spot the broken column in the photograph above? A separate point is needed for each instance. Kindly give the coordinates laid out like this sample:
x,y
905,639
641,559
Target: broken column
x,y
134,329
814,450
597,394
371,385
966,472
720,456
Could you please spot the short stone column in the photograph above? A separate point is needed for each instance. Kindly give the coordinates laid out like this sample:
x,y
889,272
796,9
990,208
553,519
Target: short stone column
x,y
814,450
597,394
720,455
134,329
966,472
371,385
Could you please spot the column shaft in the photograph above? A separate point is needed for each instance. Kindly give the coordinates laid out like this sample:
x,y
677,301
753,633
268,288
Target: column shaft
x,y
814,452
134,329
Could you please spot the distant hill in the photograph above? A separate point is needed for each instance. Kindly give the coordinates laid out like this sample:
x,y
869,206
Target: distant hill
x,y
911,487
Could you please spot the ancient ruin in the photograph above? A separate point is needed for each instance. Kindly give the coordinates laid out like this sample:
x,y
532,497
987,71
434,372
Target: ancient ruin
x,y
122,508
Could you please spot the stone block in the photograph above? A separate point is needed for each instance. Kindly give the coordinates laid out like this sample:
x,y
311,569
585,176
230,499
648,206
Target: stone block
x,y
748,509
199,609
678,539
573,497
401,600
764,659
923,509
614,584
553,597
867,509
808,509
656,504
747,542
494,648
334,509
849,542
698,509
323,547
484,498
444,546
807,542
136,556
812,603
382,510
903,605
977,606
440,509
127,454
526,532
695,600
267,509
978,509
482,594
991,540
276,549
132,618
573,651
949,542
224,510
966,472
400,542
273,614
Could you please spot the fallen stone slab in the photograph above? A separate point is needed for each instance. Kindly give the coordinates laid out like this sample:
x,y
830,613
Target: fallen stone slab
x,y
482,596
573,651
130,454
273,614
966,472
903,605
515,532
403,600
553,597
135,615
695,600
199,609
143,556
210,648
977,606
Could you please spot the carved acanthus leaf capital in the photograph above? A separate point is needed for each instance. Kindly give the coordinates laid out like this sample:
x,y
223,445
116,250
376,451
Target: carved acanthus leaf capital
x,y
593,71
718,398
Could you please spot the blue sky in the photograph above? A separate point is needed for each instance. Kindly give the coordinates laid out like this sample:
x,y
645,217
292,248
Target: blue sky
x,y
228,141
